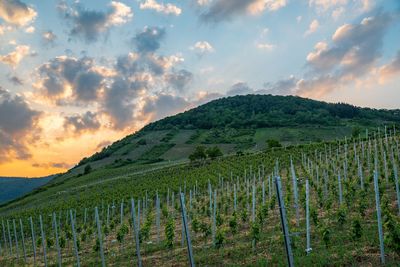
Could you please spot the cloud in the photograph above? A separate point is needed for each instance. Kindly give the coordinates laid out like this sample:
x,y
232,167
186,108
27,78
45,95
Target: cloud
x,y
390,70
4,29
58,165
352,54
103,144
265,46
167,9
318,86
162,105
87,122
68,77
220,10
90,24
30,29
337,13
16,12
282,87
148,40
179,80
203,2
16,80
202,48
314,25
49,38
18,122
324,5
119,102
239,88
354,49
15,57
139,75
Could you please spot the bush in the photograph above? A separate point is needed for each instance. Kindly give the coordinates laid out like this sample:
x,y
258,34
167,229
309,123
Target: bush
x,y
142,142
255,232
122,231
214,152
87,169
219,238
170,233
233,224
326,236
356,229
198,154
271,143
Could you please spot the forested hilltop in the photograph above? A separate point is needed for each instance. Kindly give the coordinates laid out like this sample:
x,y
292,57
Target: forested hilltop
x,y
258,111
242,123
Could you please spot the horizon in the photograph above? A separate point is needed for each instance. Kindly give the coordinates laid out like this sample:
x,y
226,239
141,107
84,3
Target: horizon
x,y
79,75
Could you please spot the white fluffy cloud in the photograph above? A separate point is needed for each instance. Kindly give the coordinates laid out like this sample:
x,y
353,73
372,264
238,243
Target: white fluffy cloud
x,y
313,27
202,47
167,9
265,46
14,58
16,12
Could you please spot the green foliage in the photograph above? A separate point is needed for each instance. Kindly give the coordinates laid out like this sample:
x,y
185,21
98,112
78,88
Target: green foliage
x,y
214,152
87,169
258,111
170,232
154,154
341,215
96,246
218,219
244,215
145,230
391,224
205,229
271,143
314,216
195,225
220,238
142,142
49,242
262,213
233,224
355,132
356,229
62,241
198,154
326,236
255,232
121,233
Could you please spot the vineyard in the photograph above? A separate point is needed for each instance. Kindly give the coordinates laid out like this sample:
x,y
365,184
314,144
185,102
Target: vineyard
x,y
321,204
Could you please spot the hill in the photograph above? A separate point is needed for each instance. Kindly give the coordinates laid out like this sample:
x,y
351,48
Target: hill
x,y
240,123
231,201
14,187
225,229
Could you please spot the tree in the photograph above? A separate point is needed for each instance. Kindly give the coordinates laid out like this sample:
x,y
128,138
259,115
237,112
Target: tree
x,y
355,132
214,152
271,143
198,154
87,169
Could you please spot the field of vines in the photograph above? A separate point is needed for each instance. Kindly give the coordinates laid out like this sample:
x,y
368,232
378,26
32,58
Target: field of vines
x,y
321,204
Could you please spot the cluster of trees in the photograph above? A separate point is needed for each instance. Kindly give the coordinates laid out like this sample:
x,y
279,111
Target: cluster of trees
x,y
257,111
202,153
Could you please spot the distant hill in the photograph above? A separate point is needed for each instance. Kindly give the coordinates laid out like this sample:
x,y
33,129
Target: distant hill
x,y
14,187
240,123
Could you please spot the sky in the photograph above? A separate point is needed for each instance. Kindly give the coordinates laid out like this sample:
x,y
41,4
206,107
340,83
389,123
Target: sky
x,y
77,75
